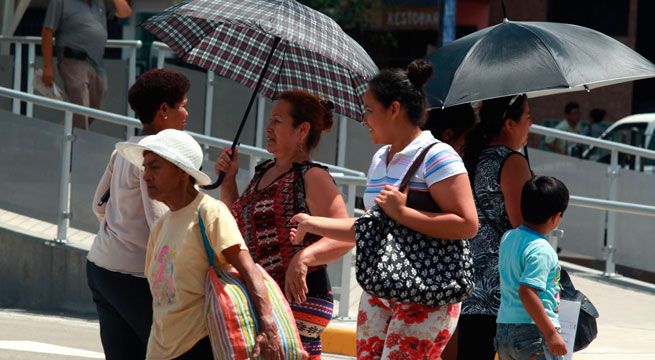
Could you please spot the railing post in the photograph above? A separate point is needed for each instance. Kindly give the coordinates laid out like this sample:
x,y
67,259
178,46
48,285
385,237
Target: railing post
x,y
610,248
131,77
342,141
18,63
64,214
209,104
259,131
160,58
347,261
31,49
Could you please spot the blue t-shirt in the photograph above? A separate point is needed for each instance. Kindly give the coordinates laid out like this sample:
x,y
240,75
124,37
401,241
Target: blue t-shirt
x,y
526,258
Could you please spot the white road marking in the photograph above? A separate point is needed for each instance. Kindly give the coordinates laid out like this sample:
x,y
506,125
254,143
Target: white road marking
x,y
39,347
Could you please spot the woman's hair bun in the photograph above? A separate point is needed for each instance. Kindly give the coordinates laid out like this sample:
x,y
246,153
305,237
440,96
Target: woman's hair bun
x,y
327,119
418,72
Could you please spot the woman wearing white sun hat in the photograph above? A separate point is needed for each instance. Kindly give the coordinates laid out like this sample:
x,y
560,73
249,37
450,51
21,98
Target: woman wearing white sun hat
x,y
176,264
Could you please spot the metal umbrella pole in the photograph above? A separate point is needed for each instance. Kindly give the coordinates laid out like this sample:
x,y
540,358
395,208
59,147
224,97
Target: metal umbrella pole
x,y
221,176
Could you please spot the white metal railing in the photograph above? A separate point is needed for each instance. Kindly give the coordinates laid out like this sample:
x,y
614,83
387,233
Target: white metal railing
x,y
33,41
351,181
341,175
613,172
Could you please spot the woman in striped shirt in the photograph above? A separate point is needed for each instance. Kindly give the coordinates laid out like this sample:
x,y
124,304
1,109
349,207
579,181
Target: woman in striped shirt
x,y
395,109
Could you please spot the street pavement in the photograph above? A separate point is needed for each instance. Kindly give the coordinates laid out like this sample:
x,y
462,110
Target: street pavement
x,y
626,325
39,336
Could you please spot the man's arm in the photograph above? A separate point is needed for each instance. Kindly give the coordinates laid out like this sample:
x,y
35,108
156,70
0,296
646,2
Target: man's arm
x,y
46,50
123,9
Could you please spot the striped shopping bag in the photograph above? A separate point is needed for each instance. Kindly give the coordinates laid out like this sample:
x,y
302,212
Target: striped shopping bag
x,y
231,315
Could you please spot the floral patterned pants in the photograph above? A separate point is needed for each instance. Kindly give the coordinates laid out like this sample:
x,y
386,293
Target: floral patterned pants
x,y
394,331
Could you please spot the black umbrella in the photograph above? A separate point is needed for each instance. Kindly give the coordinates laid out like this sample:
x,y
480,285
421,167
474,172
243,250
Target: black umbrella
x,y
535,58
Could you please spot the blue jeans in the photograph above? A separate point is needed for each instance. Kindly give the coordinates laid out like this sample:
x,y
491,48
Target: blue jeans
x,y
521,342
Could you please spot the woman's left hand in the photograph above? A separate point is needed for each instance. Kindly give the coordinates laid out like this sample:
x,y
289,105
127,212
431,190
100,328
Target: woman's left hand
x,y
295,280
268,343
391,201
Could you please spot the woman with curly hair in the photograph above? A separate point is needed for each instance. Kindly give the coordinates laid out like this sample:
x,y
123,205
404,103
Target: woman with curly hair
x,y
116,261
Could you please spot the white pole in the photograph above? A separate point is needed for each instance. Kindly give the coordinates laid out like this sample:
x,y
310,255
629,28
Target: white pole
x,y
18,60
342,139
64,215
131,77
613,173
31,47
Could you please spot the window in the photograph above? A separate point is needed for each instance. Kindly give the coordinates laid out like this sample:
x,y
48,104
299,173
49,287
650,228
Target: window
x,y
630,134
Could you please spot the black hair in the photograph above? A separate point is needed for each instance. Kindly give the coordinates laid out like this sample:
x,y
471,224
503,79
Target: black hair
x,y
597,115
404,86
459,118
153,88
543,197
493,114
570,107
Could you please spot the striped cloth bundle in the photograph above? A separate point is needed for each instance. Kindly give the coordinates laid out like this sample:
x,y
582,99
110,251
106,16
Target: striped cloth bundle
x,y
231,315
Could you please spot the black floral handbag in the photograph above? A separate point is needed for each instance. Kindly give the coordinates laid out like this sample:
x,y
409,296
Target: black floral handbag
x,y
397,263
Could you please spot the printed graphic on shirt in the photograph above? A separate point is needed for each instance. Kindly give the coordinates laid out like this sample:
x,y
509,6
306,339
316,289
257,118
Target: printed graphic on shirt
x,y
558,286
163,288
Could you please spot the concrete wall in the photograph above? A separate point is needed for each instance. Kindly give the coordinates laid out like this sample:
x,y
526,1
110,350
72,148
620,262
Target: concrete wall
x,y
37,275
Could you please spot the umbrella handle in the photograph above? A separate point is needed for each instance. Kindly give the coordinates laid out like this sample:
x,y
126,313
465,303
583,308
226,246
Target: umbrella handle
x,y
221,175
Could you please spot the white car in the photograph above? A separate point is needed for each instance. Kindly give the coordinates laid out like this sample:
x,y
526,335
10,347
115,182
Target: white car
x,y
637,130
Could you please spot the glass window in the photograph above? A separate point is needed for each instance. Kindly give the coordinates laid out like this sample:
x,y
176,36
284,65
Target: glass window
x,y
630,134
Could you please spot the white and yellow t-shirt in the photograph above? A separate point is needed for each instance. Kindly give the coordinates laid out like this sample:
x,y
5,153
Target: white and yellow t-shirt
x,y
176,267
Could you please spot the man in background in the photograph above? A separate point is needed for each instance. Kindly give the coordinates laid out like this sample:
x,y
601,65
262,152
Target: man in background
x,y
571,124
80,29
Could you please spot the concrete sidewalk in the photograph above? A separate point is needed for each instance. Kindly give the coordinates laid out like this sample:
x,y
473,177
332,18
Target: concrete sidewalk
x,y
626,326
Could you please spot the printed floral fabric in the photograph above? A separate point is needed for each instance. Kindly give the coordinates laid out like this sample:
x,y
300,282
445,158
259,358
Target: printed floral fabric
x,y
494,221
403,331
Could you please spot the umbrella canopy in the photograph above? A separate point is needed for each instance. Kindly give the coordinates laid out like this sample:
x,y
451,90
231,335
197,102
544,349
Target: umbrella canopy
x,y
235,37
537,58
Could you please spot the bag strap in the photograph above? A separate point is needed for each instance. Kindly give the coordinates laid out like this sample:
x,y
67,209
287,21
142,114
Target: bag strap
x,y
414,167
205,241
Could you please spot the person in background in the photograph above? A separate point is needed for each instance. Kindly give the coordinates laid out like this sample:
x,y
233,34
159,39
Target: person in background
x,y
116,260
529,277
571,124
176,260
595,127
80,30
282,187
451,124
395,109
497,172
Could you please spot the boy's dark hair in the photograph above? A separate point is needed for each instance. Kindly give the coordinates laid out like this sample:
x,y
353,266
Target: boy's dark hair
x,y
543,197
570,106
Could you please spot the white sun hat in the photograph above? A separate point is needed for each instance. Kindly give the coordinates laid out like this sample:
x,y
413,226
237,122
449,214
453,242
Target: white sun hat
x,y
173,145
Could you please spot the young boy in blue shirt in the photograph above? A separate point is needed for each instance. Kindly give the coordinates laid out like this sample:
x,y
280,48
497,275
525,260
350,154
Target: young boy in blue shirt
x,y
527,322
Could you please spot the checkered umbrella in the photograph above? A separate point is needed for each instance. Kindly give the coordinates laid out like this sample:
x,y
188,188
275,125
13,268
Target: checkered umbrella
x,y
234,38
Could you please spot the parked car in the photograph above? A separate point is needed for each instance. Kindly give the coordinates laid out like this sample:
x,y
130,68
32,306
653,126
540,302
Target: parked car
x,y
636,130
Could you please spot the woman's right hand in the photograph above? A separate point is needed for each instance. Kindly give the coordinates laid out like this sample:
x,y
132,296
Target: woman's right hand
x,y
230,166
298,233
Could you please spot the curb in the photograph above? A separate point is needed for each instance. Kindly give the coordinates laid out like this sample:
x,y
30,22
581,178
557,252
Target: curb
x,y
339,339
